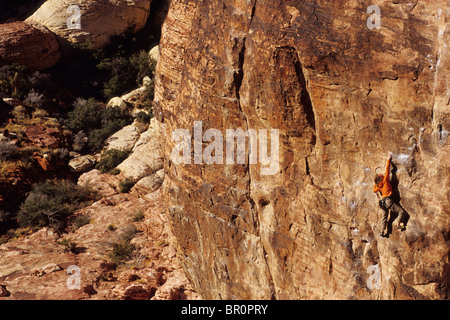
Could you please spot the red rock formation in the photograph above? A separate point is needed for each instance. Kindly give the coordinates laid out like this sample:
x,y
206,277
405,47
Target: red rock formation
x,y
43,136
32,46
342,96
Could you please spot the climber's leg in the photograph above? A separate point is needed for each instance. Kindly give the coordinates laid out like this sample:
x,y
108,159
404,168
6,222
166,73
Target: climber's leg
x,y
384,225
401,215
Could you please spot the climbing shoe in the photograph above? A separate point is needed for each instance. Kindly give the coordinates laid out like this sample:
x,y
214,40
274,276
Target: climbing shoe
x,y
401,227
384,234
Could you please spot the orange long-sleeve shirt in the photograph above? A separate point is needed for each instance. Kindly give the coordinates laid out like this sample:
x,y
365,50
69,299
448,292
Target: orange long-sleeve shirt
x,y
384,186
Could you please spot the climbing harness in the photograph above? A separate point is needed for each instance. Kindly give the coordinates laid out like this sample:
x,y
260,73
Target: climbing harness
x,y
383,204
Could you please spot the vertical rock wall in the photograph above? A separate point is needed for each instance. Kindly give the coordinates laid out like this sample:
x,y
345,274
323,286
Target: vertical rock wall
x,y
342,96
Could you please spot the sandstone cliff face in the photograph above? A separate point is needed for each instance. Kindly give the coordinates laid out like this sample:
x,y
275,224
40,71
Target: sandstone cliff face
x,y
95,21
32,46
342,96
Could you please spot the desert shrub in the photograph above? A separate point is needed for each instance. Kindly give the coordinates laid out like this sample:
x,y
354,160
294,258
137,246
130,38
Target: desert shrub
x,y
13,80
79,141
69,245
50,203
121,250
96,121
114,87
19,82
125,73
61,153
142,66
138,215
34,98
144,117
114,171
7,150
126,185
40,114
81,221
45,92
128,232
111,159
85,114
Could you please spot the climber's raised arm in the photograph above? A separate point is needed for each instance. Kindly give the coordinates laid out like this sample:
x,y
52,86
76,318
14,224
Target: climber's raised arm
x,y
388,168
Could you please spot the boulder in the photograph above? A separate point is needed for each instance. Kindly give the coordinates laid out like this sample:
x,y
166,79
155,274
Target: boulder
x,y
154,53
150,183
124,139
116,102
82,163
133,95
95,21
12,102
133,291
51,267
101,183
147,156
177,287
33,46
147,81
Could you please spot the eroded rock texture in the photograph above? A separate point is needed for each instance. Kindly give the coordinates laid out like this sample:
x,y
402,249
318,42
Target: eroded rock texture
x,y
342,96
32,46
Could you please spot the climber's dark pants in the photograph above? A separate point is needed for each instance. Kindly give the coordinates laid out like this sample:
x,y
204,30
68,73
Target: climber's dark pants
x,y
389,204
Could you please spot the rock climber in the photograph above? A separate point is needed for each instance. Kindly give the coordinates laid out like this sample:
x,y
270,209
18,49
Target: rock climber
x,y
383,185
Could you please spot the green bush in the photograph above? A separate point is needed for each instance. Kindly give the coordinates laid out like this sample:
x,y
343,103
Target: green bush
x,y
13,80
21,83
96,121
144,117
121,250
142,66
81,221
69,245
111,159
125,74
51,203
85,115
138,215
126,185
